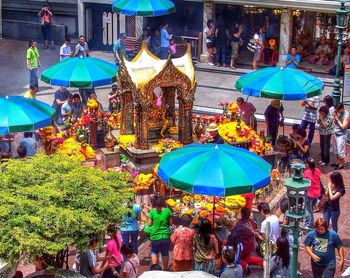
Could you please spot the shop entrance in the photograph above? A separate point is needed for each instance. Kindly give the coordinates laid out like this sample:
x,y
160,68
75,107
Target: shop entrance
x,y
102,26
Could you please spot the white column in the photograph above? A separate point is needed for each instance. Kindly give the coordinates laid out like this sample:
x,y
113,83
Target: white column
x,y
139,26
81,18
208,13
0,18
285,35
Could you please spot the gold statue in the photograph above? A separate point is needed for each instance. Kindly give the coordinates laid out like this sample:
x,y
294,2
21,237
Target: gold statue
x,y
165,120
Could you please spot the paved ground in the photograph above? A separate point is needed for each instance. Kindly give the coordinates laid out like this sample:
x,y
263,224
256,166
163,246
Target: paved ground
x,y
213,86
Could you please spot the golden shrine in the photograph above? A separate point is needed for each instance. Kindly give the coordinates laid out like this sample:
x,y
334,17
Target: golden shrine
x,y
148,88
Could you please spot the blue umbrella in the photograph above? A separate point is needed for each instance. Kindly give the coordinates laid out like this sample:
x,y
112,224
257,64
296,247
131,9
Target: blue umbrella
x,y
215,170
280,83
81,72
143,7
18,114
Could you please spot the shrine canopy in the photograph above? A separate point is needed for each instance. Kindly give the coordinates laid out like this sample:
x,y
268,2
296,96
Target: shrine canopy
x,y
145,66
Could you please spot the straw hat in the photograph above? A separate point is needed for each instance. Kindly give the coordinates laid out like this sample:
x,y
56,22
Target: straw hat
x,y
275,103
212,127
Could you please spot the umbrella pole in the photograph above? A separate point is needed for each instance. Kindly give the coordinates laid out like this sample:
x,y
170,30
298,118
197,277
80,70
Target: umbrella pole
x,y
213,213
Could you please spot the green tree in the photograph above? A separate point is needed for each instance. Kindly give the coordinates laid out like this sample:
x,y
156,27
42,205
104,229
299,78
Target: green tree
x,y
48,203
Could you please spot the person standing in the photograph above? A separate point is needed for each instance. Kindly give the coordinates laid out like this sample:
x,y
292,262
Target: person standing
x,y
236,42
61,96
65,50
274,118
46,26
325,121
221,37
247,110
210,40
320,244
159,220
131,262
82,48
31,93
232,270
313,192
182,239
258,37
334,191
33,63
341,124
88,262
119,49
113,99
265,211
164,41
29,143
293,58
205,248
113,250
280,262
130,228
155,43
310,116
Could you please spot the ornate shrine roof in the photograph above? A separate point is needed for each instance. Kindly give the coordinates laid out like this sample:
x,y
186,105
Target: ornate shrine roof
x,y
145,66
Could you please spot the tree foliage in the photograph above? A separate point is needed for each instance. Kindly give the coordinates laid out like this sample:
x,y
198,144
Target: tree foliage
x,y
48,203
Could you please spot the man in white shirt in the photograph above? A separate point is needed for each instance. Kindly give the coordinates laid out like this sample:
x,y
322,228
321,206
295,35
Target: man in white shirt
x,y
264,210
65,50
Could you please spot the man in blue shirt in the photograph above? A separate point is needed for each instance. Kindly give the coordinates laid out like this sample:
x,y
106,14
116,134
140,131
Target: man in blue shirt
x,y
320,244
29,144
164,41
118,48
293,58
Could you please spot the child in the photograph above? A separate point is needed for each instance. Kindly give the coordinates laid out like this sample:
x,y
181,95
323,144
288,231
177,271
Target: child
x,y
232,270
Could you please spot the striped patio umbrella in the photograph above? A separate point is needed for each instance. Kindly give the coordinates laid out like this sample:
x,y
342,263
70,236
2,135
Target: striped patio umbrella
x,y
81,72
143,7
279,83
215,170
19,114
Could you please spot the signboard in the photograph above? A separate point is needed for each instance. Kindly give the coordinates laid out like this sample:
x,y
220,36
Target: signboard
x,y
107,19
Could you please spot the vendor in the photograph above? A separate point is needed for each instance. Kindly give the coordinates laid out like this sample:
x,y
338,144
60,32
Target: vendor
x,y
247,110
214,133
274,118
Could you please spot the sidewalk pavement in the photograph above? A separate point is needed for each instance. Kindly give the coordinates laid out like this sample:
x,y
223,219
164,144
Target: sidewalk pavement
x,y
213,85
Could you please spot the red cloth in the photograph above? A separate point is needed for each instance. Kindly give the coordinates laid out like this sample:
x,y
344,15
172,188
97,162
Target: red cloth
x,y
314,191
249,200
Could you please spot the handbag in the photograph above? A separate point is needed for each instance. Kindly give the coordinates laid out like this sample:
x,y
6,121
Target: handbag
x,y
252,45
321,204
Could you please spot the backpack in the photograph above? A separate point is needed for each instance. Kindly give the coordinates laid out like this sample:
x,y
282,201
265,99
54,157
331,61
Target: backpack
x,y
252,45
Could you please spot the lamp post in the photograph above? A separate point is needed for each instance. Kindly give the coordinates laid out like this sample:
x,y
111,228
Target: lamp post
x,y
342,18
296,192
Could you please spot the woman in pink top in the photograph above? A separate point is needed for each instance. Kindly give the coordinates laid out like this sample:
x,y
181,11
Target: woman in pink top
x,y
314,191
182,238
247,110
113,249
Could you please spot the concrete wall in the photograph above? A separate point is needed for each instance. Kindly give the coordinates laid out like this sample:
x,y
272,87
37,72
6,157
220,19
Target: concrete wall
x,y
22,30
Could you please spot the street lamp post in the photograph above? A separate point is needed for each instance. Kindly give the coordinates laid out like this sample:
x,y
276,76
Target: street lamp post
x,y
297,186
342,18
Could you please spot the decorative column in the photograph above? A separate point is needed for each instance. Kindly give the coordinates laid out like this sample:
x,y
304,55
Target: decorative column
x,y
127,113
139,26
285,35
0,18
81,18
169,94
142,126
208,13
185,120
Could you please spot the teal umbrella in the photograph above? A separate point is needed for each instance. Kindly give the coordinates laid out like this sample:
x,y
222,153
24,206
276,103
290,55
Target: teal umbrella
x,y
143,7
81,72
280,83
19,114
215,170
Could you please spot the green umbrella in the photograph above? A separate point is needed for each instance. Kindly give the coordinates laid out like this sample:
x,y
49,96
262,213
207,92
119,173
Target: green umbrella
x,y
81,72
143,7
18,114
215,170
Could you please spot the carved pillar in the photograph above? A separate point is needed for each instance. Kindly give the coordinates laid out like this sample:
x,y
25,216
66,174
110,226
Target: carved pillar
x,y
142,126
169,94
127,113
285,35
185,120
